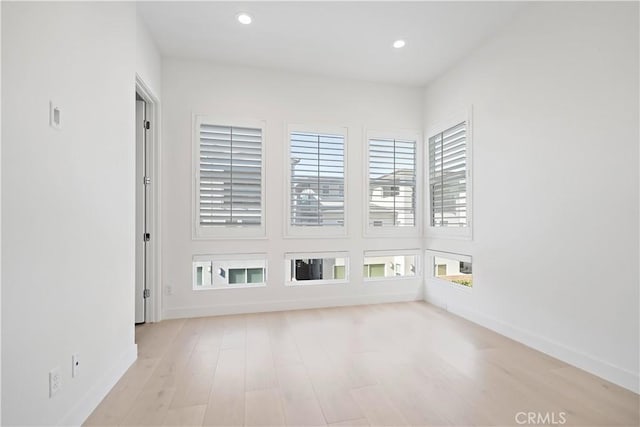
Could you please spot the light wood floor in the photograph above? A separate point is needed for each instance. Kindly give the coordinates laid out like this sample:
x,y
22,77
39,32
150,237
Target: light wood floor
x,y
388,364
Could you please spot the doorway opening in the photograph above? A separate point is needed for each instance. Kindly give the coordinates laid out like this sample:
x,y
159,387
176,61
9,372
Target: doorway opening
x,y
147,298
142,203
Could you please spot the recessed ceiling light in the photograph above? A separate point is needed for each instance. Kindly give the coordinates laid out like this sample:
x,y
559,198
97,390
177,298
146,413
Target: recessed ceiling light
x,y
398,44
244,18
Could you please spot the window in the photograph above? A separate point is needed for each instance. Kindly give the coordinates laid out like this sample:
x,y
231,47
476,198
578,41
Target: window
x,y
392,183
454,268
317,190
449,178
388,265
229,175
316,268
374,270
246,275
229,271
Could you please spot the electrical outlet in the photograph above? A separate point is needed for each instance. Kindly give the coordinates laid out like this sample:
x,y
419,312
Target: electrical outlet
x,y
75,365
169,290
55,381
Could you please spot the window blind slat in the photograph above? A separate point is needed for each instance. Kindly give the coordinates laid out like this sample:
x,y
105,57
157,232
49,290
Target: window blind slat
x,y
392,182
448,177
317,179
230,189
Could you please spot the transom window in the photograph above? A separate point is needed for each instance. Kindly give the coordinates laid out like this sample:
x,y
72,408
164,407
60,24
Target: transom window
x,y
389,265
229,271
454,268
316,268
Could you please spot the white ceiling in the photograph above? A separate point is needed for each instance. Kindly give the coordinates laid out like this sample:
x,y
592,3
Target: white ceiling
x,y
345,39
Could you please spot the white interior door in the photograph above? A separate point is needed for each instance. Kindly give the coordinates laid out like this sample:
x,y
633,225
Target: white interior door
x,y
142,235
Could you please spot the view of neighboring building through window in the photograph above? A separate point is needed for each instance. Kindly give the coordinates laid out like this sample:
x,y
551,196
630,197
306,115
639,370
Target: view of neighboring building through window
x,y
317,179
230,176
448,177
453,270
392,183
305,268
374,270
224,273
246,275
389,265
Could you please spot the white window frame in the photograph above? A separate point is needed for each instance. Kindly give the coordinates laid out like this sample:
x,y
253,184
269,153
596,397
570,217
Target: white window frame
x,y
399,252
315,231
430,254
462,233
394,231
223,258
235,231
289,256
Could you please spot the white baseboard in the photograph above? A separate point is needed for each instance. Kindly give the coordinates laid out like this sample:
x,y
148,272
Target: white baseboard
x,y
615,374
94,396
261,307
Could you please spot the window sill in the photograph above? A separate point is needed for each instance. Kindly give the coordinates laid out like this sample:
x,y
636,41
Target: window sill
x,y
315,232
220,288
304,283
450,285
388,279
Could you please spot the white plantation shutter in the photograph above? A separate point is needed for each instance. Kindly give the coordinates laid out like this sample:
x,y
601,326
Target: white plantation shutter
x,y
392,183
448,177
317,179
230,175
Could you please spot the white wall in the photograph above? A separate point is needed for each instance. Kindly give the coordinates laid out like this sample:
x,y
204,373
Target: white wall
x,y
0,216
67,205
279,99
555,110
148,59
149,75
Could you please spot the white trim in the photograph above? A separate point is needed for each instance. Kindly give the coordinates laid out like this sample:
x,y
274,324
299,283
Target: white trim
x,y
615,374
325,254
226,288
394,231
296,304
225,231
464,233
90,401
154,302
313,231
290,256
450,255
430,278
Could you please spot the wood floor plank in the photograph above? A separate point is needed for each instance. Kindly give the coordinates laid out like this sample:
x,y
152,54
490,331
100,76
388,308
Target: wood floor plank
x,y
260,365
226,404
377,407
302,412
352,423
188,416
263,408
150,408
387,364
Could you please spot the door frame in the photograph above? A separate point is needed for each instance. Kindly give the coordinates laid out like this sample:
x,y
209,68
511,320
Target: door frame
x,y
154,266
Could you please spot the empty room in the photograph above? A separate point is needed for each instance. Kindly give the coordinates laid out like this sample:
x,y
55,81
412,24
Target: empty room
x,y
320,213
